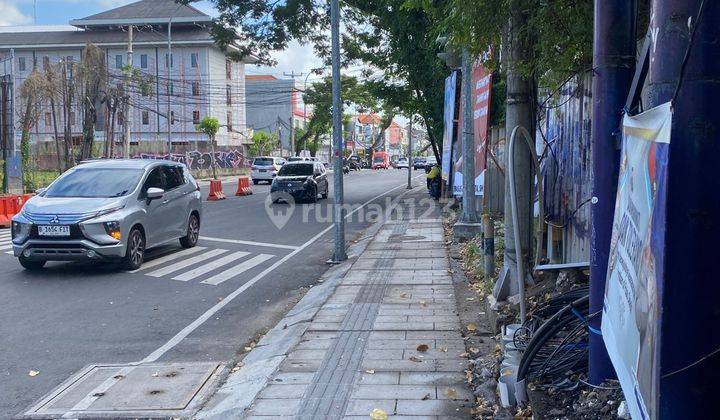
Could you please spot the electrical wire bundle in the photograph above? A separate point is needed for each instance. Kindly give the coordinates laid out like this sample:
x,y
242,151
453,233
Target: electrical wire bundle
x,y
543,312
558,348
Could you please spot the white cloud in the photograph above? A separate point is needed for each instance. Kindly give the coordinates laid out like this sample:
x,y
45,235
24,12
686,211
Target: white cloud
x,y
11,15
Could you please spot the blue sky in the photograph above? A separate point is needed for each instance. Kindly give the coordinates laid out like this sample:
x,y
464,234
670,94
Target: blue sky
x,y
297,58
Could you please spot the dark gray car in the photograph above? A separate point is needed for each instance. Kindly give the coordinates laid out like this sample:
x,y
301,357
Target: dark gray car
x,y
110,209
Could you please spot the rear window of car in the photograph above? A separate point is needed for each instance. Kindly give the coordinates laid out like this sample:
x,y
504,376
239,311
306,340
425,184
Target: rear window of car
x,y
95,183
379,159
297,169
263,161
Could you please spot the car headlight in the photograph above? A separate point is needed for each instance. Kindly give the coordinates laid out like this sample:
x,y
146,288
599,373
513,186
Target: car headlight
x,y
113,230
108,211
20,230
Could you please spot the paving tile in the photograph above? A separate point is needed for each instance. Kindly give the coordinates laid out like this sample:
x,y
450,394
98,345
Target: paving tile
x,y
406,392
431,378
403,326
379,378
364,407
276,391
431,407
306,354
293,378
374,354
275,407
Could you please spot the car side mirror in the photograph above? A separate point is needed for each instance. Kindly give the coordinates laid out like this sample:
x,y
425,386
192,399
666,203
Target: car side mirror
x,y
40,191
154,193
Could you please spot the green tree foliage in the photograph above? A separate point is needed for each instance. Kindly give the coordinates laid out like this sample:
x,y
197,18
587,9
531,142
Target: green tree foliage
x,y
210,126
263,143
395,45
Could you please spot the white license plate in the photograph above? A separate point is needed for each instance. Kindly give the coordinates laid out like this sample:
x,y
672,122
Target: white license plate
x,y
54,230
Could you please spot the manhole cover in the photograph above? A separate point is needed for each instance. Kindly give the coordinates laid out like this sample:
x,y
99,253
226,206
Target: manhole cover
x,y
147,390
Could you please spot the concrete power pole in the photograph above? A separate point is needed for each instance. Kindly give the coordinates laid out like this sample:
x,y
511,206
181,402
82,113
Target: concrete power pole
x,y
128,112
338,216
613,64
469,224
410,154
518,112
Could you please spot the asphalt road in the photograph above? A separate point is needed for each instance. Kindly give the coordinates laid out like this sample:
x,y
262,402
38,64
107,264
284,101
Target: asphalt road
x,y
180,307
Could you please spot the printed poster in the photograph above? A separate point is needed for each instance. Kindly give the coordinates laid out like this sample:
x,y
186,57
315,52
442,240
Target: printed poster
x,y
631,310
448,124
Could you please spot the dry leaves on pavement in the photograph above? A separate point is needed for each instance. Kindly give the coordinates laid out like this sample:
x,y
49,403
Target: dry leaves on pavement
x,y
378,414
422,348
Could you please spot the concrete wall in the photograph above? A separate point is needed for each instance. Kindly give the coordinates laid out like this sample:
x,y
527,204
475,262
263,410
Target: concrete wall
x,y
269,107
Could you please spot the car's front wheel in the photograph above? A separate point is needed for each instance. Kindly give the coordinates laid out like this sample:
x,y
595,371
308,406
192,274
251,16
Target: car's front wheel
x,y
31,264
193,232
135,253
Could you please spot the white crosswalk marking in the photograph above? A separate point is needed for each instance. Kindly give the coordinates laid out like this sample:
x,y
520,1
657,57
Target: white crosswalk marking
x,y
212,265
167,258
186,263
6,242
238,269
3,247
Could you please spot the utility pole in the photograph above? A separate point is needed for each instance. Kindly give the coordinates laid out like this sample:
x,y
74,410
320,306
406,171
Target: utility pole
x,y
338,216
410,154
293,75
169,63
128,113
469,224
613,68
518,112
682,69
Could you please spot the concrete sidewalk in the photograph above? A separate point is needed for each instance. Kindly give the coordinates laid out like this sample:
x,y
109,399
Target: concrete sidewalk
x,y
381,332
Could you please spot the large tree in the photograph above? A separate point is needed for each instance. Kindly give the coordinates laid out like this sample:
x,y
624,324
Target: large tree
x,y
395,44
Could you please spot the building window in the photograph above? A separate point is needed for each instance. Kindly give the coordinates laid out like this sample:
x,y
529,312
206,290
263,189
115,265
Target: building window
x,y
120,118
228,94
196,117
72,118
143,61
21,63
228,69
46,62
194,60
145,118
48,119
118,61
172,60
229,121
195,88
172,117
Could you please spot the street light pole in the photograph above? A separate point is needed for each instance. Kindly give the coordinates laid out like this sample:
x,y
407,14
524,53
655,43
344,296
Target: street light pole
x,y
169,77
339,219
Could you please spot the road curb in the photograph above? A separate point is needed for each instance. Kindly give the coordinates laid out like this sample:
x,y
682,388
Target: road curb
x,y
242,386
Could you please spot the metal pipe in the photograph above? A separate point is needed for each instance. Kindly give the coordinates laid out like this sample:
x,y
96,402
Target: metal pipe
x,y
520,266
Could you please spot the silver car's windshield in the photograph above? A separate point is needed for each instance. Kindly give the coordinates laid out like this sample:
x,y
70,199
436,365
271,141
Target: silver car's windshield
x,y
95,183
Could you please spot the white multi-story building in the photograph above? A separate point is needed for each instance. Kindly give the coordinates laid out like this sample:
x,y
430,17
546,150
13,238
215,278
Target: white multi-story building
x,y
195,81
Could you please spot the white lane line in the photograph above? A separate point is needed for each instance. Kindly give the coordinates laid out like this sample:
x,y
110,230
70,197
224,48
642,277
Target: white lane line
x,y
212,265
238,269
236,241
186,263
180,336
168,258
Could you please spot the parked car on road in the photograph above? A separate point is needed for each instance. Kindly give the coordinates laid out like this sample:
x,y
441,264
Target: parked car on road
x,y
302,181
402,163
419,162
265,168
109,210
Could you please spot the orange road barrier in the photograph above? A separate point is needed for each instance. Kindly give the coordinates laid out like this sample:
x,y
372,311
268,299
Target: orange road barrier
x,y
10,205
216,190
244,187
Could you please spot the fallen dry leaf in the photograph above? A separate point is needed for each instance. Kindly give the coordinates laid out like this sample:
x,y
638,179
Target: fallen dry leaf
x,y
33,373
422,348
469,376
378,414
471,327
464,354
403,295
155,375
248,348
415,359
423,303
474,350
451,393
426,397
443,349
370,371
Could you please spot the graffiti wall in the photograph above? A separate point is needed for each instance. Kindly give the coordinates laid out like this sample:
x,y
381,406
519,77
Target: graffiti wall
x,y
563,143
197,160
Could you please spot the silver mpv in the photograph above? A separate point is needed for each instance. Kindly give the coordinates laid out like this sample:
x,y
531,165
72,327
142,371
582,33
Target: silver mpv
x,y
109,210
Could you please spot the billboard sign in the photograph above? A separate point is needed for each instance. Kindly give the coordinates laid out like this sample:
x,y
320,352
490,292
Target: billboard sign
x,y
631,309
448,124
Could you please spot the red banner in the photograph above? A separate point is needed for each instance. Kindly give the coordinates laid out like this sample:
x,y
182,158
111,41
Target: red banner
x,y
482,96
